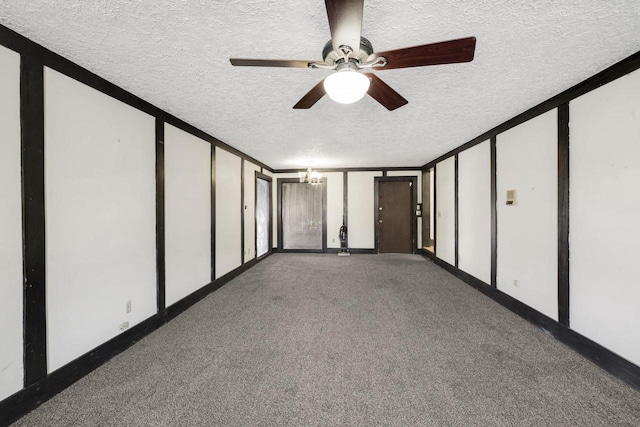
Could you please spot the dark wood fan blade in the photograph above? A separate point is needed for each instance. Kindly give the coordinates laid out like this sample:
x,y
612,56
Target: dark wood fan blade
x,y
291,63
311,97
449,52
382,92
345,22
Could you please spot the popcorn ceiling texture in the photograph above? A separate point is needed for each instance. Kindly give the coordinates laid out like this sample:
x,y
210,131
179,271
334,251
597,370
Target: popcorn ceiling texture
x,y
175,54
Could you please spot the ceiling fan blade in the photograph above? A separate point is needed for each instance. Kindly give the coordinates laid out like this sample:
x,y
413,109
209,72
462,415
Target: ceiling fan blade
x,y
449,52
345,23
382,92
311,97
291,63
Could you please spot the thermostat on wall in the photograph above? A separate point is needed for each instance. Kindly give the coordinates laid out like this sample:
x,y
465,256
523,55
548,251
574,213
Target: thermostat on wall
x,y
511,197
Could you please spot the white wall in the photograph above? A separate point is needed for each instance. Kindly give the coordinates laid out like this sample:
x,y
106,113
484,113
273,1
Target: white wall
x,y
527,161
445,211
228,214
100,210
335,201
605,207
11,358
474,211
418,174
187,178
250,212
361,203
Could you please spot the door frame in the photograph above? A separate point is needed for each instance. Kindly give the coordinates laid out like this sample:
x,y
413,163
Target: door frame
x,y
267,178
323,181
414,200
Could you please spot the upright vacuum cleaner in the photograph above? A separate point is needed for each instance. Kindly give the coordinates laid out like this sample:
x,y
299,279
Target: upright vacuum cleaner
x,y
343,242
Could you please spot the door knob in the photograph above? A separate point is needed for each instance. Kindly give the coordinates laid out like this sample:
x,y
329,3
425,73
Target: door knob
x,y
379,221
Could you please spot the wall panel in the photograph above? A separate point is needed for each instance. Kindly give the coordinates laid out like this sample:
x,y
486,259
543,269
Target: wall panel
x,y
360,199
100,208
187,181
228,213
11,276
445,211
250,210
527,161
604,210
474,211
335,201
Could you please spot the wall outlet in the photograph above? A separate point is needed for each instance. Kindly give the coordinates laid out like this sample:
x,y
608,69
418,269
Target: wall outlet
x,y
516,283
124,326
128,307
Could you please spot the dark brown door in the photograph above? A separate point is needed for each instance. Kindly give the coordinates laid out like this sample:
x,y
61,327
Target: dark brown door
x,y
395,209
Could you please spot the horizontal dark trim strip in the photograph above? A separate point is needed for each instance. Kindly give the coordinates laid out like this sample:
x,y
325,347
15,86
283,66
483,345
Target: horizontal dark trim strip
x,y
601,356
28,399
325,251
622,68
363,169
24,46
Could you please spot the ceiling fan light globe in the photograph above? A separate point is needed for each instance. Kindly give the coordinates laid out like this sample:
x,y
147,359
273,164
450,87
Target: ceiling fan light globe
x,y
346,86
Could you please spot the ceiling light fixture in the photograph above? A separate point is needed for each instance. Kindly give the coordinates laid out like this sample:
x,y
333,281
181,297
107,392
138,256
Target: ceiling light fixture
x,y
346,86
310,176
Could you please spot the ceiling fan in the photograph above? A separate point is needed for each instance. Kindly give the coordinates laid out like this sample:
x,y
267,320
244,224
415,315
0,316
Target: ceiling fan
x,y
348,52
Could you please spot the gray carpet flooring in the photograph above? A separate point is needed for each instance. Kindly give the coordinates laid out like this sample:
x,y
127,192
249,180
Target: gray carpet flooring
x,y
306,339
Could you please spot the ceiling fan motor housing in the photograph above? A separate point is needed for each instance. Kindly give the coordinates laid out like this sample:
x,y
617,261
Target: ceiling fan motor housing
x,y
332,57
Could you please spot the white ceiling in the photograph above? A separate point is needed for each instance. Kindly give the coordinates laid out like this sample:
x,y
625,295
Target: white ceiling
x,y
175,54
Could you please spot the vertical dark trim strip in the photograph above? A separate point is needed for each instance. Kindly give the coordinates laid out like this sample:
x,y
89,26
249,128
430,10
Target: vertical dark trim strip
x,y
494,213
160,235
384,172
456,209
242,207
563,214
213,213
33,218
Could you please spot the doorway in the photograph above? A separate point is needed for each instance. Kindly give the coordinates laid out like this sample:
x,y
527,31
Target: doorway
x,y
263,231
395,220
302,216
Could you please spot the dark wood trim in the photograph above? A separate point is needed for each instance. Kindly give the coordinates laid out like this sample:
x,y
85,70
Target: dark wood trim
x,y
353,251
242,209
384,173
262,176
29,398
626,66
414,198
494,213
23,45
359,169
213,213
33,218
593,351
456,210
563,214
160,229
279,183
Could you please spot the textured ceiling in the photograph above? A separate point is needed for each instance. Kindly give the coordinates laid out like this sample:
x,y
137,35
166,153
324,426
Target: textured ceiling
x,y
175,54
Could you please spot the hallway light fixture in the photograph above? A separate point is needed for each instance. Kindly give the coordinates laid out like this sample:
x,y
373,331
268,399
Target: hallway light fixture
x,y
310,176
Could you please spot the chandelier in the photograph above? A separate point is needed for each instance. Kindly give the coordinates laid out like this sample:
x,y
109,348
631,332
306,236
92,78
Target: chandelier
x,y
310,176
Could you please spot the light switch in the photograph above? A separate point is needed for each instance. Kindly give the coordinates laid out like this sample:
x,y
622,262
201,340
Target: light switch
x,y
511,197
